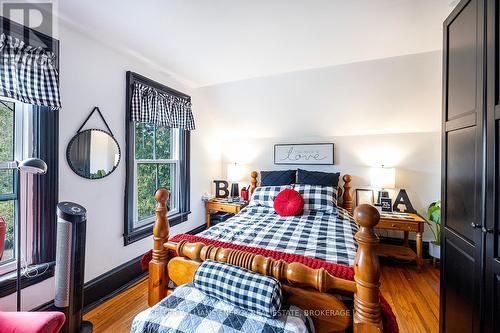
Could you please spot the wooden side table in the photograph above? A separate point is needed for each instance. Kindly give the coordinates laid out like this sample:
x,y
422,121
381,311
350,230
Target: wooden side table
x,y
406,223
218,205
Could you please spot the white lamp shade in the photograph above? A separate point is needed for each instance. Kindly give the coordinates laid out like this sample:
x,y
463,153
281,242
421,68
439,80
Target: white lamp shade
x,y
234,172
383,177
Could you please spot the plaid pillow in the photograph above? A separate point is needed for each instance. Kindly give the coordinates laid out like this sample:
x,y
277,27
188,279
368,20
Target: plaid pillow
x,y
250,291
265,195
318,198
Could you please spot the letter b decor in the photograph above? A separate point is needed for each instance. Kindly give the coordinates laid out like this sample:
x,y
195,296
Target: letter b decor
x,y
221,186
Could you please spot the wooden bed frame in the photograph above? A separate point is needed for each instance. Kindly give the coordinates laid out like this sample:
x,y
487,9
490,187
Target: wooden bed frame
x,y
310,289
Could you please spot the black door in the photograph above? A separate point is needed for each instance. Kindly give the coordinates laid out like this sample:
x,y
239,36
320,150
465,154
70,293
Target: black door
x,y
491,228
462,168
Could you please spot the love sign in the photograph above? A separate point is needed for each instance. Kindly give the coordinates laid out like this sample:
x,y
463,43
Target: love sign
x,y
307,153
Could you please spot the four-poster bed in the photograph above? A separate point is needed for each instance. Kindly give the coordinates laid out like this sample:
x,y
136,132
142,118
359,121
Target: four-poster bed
x,y
315,290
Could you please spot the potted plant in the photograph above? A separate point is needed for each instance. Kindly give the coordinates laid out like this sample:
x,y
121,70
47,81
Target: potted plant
x,y
434,221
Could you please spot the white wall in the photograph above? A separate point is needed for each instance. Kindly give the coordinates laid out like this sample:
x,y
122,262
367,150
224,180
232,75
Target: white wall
x,y
377,112
91,75
391,95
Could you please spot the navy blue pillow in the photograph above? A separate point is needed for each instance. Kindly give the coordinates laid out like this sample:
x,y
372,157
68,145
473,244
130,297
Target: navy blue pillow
x,y
277,178
318,178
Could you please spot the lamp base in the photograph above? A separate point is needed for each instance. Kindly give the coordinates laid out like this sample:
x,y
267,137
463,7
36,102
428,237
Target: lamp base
x,y
235,190
382,194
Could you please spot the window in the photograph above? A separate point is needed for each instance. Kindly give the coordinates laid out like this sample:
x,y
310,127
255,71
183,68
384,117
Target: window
x,y
28,131
13,146
156,157
156,163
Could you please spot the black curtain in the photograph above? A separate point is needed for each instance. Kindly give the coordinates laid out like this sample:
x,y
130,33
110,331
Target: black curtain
x,y
45,188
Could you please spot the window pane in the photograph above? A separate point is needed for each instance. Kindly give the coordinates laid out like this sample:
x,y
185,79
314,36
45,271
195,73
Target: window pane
x,y
146,187
148,182
7,214
6,182
144,141
6,145
7,130
163,142
166,175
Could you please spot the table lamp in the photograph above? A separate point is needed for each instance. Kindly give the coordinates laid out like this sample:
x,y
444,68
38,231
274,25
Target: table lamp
x,y
234,175
383,178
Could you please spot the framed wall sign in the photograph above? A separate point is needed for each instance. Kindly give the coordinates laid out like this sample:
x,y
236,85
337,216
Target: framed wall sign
x,y
304,154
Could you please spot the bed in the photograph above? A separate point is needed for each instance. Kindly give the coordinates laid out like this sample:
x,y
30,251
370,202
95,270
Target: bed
x,y
329,235
308,258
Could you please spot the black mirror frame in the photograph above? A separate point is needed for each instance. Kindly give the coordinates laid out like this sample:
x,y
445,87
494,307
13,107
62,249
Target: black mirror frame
x,y
88,130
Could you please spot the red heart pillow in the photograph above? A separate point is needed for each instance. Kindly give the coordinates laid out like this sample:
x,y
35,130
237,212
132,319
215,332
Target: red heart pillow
x,y
288,203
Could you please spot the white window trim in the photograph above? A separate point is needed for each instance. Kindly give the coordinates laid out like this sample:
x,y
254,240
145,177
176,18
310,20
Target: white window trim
x,y
175,193
22,149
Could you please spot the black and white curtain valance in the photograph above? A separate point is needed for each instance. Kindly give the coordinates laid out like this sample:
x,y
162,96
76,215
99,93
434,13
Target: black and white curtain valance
x,y
28,74
152,106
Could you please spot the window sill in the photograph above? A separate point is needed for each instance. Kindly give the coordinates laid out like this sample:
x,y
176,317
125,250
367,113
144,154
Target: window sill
x,y
8,281
147,230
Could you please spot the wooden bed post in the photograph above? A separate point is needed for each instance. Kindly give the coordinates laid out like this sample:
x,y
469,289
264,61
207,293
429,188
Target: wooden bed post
x,y
367,314
158,277
347,196
253,182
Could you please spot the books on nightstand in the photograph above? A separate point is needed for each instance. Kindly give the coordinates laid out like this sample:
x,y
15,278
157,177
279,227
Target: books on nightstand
x,y
229,200
397,215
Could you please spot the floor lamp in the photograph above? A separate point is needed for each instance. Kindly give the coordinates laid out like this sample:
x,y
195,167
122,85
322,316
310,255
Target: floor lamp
x,y
33,166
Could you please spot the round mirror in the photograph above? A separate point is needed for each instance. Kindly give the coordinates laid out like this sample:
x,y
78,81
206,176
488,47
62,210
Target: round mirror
x,y
93,154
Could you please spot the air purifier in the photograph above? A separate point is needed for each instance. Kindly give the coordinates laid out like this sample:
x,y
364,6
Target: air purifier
x,y
70,265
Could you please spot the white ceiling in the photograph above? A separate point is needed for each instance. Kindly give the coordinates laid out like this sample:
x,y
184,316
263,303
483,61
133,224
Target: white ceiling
x,y
210,42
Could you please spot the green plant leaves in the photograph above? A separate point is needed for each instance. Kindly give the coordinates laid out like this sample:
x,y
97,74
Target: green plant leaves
x,y
434,215
434,212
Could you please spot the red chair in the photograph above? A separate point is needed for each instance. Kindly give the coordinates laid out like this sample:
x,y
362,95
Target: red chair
x,y
2,236
31,322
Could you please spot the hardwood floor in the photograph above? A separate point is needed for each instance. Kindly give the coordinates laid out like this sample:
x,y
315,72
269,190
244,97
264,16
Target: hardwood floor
x,y
414,298
116,314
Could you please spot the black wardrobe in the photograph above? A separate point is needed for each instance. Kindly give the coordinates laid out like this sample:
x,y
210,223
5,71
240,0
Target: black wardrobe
x,y
470,274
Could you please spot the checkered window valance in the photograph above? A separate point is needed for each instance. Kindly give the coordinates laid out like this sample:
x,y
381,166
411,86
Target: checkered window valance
x,y
28,74
152,106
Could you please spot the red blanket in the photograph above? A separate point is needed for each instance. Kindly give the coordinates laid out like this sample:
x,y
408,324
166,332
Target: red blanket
x,y
340,271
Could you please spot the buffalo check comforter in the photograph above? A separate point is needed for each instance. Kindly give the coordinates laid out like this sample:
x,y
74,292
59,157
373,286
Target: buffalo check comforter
x,y
327,236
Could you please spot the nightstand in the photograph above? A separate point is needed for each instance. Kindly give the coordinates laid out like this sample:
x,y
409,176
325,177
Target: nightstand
x,y
221,205
406,223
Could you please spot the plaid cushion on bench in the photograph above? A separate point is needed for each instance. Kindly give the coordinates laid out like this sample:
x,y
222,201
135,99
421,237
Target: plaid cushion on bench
x,y
247,290
188,310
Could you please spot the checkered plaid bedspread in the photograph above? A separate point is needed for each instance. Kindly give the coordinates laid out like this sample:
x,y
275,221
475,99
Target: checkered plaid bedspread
x,y
328,236
188,310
